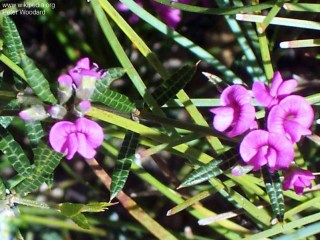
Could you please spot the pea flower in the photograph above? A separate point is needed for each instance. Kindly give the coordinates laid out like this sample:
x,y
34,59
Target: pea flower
x,y
279,89
292,117
84,75
298,179
83,136
259,148
237,113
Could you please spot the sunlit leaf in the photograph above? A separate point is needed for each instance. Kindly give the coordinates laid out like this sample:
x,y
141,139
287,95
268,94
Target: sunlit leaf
x,y
34,132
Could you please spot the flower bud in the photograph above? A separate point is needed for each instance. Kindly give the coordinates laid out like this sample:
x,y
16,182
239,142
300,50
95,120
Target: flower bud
x,y
34,113
86,87
82,108
57,111
65,88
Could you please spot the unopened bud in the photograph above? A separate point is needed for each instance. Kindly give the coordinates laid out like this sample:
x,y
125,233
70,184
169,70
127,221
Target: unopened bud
x,y
65,88
82,108
86,87
57,111
34,113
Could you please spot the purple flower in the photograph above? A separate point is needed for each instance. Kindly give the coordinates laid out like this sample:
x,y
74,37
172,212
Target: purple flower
x,y
83,136
259,148
237,113
171,16
279,89
292,117
298,179
85,68
82,108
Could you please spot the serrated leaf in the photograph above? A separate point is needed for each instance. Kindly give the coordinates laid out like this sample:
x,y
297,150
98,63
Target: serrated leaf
x,y
212,169
81,221
12,40
14,153
174,84
45,162
111,98
111,75
274,190
123,164
34,132
37,81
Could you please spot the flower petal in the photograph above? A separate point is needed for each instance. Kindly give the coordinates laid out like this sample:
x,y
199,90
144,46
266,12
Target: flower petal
x,y
85,148
243,121
59,133
275,83
261,94
235,94
71,146
92,130
251,144
287,87
223,118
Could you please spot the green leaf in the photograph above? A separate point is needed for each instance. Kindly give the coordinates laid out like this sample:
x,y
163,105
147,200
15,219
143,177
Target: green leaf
x,y
123,164
34,132
70,209
174,84
36,80
111,98
45,162
212,169
5,121
274,190
12,41
14,153
2,190
111,75
81,221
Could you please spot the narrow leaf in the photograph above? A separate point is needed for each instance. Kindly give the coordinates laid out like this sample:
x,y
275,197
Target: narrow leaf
x,y
5,121
111,75
14,153
111,98
2,190
212,169
34,132
70,209
45,162
12,41
81,221
123,164
174,84
36,80
274,190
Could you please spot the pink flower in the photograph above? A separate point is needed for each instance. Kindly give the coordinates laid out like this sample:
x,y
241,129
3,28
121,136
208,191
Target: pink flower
x,y
83,136
85,68
236,112
292,117
298,179
259,148
171,16
279,89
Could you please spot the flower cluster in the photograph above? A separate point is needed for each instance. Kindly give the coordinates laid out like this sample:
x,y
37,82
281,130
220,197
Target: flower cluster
x,y
82,136
289,117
